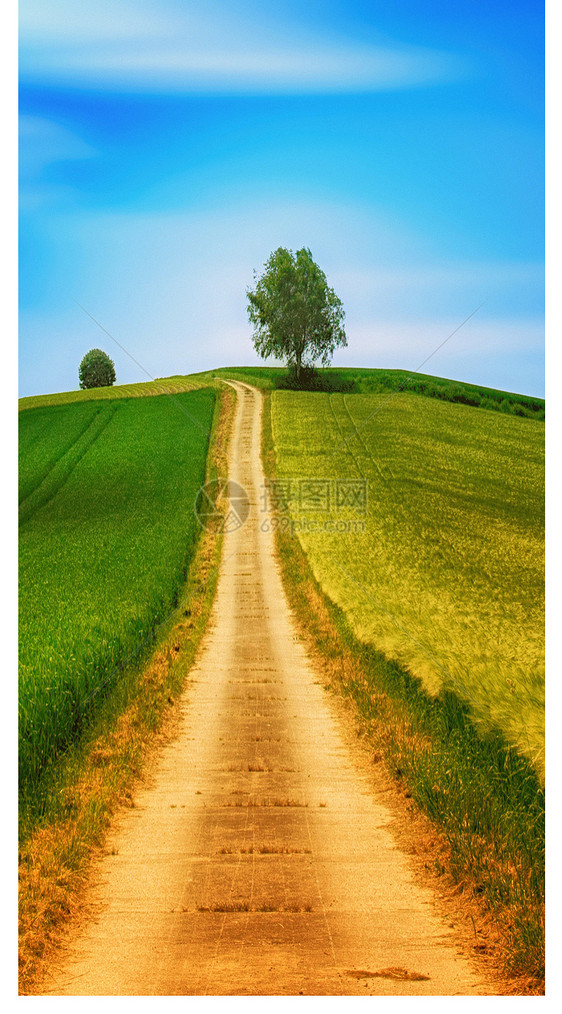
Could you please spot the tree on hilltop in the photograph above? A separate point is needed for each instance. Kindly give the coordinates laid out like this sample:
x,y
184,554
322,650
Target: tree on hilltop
x,y
96,370
295,314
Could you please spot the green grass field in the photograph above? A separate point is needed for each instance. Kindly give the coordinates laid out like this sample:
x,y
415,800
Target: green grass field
x,y
447,574
107,530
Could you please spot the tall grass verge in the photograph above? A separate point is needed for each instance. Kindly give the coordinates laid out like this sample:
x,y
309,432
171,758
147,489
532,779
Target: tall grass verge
x,y
483,797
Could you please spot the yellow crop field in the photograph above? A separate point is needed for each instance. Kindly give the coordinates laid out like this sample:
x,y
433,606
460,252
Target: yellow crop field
x,y
426,526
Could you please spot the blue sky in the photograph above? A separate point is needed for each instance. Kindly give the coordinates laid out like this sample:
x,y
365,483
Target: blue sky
x,y
166,148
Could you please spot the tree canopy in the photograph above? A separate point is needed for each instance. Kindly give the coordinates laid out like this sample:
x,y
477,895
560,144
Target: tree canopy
x,y
295,314
96,370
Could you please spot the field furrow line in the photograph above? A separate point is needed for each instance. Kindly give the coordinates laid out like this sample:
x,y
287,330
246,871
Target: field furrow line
x,y
368,452
54,459
65,465
343,437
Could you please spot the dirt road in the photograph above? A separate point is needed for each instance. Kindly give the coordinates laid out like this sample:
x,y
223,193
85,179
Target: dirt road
x,y
258,860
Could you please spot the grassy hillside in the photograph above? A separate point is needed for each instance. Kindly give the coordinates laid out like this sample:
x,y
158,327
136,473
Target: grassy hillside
x,y
107,530
444,569
352,380
169,385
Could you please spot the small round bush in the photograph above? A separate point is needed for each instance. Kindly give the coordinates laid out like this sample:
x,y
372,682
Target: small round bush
x,y
96,370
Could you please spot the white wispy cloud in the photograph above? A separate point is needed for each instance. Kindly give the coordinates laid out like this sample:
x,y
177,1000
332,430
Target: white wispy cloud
x,y
43,142
211,47
403,289
51,22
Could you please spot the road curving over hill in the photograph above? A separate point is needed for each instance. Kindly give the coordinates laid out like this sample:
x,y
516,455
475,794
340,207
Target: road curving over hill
x,y
258,859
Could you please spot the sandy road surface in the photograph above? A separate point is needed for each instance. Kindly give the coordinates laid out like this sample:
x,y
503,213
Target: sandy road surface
x,y
258,860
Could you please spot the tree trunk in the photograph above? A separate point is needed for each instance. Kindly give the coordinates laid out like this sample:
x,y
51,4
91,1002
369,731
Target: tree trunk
x,y
298,365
